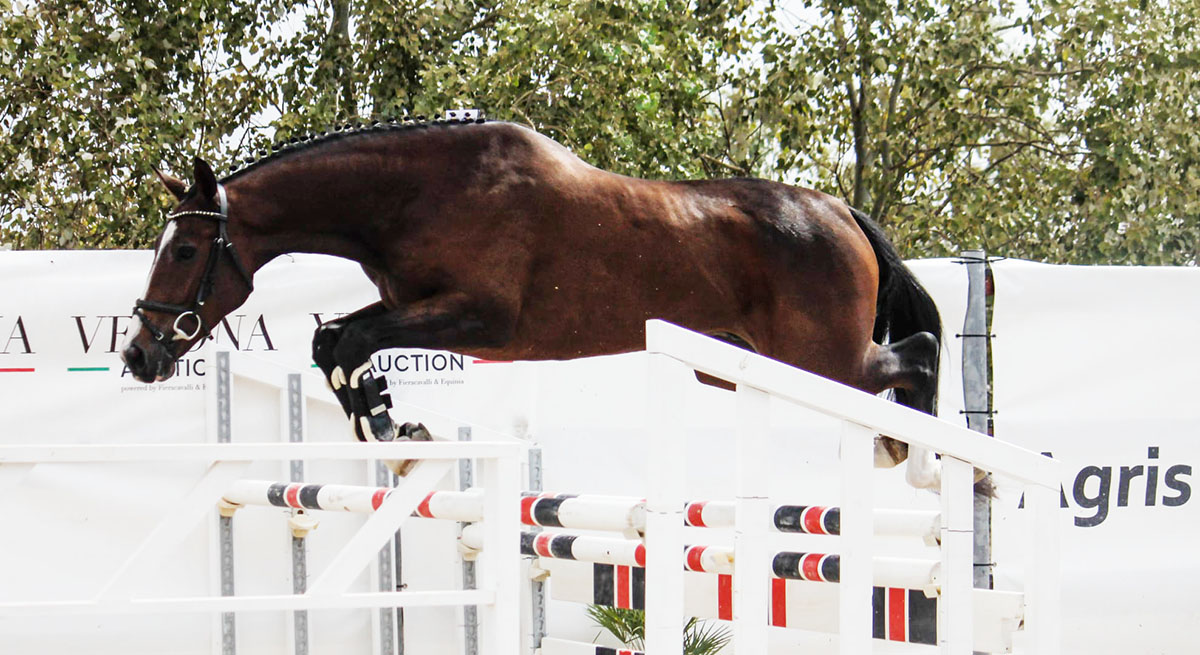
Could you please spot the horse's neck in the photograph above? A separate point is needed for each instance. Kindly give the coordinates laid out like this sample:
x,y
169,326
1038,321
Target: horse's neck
x,y
316,209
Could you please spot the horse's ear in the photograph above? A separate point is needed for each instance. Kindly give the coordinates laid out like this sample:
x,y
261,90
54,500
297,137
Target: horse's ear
x,y
176,186
203,175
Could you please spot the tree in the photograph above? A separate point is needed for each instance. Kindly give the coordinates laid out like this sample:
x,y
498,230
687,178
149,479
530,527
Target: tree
x,y
956,125
1135,196
93,96
1064,133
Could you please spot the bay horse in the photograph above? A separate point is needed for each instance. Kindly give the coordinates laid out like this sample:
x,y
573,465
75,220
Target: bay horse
x,y
490,239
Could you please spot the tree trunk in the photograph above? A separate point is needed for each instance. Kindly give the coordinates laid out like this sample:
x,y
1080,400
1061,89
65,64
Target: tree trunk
x,y
341,57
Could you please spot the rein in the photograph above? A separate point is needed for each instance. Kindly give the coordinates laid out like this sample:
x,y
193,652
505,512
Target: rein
x,y
221,243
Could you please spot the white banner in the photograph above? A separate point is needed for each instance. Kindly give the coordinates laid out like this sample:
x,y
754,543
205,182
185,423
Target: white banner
x,y
1097,366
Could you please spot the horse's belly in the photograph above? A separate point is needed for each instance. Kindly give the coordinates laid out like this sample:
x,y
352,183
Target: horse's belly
x,y
613,323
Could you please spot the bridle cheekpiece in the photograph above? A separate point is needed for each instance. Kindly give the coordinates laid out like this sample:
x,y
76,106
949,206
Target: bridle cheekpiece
x,y
221,243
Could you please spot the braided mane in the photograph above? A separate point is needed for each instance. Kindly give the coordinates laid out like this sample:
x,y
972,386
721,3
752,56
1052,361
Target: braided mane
x,y
337,133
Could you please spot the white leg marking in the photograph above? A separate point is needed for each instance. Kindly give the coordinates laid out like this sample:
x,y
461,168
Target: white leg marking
x,y
337,379
923,471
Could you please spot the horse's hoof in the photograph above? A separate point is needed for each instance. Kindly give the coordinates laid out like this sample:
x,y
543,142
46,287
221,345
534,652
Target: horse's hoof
x,y
984,486
374,428
408,432
382,427
414,432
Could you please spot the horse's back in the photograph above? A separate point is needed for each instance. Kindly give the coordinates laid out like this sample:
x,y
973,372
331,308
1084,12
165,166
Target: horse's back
x,y
588,255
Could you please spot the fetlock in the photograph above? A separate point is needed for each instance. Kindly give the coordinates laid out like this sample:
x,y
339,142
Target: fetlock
x,y
408,432
414,432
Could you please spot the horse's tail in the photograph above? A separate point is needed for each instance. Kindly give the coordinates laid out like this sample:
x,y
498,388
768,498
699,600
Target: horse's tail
x,y
903,306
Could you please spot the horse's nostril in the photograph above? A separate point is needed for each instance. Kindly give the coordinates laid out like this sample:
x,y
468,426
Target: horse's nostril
x,y
133,356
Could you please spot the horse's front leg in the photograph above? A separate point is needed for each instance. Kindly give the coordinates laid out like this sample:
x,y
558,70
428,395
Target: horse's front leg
x,y
449,322
325,341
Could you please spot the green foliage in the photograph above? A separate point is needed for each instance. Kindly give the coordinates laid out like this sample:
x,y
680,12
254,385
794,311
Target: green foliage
x,y
1064,134
1060,130
94,95
629,627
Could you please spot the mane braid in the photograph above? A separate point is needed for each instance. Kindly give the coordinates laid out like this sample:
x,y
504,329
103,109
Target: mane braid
x,y
337,133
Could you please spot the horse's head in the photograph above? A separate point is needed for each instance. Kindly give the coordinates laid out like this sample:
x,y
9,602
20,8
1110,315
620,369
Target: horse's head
x,y
196,279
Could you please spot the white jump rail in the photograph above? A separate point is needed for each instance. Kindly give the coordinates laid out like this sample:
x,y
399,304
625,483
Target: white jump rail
x,y
674,350
499,463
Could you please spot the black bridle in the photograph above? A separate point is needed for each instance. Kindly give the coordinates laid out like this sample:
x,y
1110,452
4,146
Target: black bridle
x,y
220,244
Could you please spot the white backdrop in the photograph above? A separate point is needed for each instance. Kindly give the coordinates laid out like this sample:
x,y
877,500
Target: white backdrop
x,y
1097,365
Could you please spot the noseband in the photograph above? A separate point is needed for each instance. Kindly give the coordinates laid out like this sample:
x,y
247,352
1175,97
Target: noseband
x,y
220,244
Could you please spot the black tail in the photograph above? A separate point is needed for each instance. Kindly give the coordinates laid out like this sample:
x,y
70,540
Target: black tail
x,y
903,307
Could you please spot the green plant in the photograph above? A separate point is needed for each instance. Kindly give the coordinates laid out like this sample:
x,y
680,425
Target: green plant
x,y
629,626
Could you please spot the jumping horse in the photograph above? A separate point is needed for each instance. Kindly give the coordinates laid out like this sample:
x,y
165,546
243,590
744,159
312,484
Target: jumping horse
x,y
490,239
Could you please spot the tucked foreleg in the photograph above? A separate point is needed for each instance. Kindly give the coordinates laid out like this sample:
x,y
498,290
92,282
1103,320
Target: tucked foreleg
x,y
450,322
325,341
358,400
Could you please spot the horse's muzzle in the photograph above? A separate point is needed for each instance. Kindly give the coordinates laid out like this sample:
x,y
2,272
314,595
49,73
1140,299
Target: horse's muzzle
x,y
148,367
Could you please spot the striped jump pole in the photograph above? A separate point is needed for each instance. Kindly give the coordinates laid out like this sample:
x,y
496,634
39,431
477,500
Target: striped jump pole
x,y
821,520
571,511
297,495
809,567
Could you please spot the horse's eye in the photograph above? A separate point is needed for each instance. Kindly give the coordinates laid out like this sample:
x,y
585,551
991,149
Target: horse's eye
x,y
185,253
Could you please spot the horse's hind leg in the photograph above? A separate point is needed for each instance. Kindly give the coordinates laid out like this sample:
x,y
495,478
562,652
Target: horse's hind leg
x,y
910,366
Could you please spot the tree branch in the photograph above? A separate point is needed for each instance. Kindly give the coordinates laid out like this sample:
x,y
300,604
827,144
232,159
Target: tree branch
x,y
733,167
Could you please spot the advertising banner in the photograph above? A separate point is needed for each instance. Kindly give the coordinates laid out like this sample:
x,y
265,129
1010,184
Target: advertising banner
x,y
1096,367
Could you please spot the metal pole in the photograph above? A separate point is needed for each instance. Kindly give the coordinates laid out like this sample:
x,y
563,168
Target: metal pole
x,y
976,340
537,586
390,625
466,479
397,569
295,428
224,435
